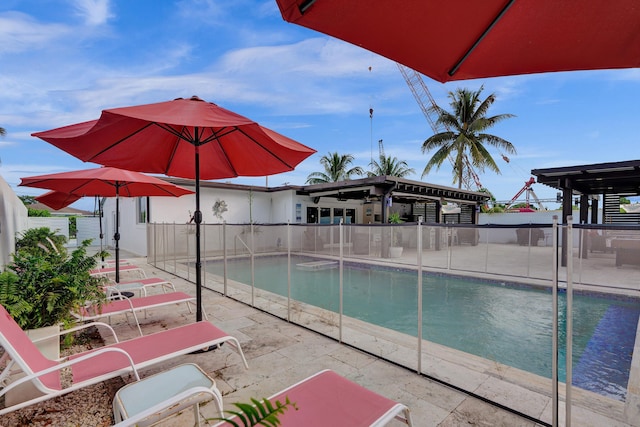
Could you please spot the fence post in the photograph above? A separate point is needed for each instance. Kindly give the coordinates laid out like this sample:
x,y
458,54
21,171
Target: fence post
x,y
253,270
288,272
419,255
341,235
569,320
554,338
175,250
224,256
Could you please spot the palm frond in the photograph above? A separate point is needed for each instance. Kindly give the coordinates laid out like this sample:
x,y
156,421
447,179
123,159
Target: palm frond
x,y
464,142
258,412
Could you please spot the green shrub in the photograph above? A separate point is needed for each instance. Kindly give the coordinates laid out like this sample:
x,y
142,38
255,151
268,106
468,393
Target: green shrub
x,y
43,283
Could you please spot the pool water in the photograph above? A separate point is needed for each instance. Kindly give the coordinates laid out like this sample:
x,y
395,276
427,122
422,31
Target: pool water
x,y
510,324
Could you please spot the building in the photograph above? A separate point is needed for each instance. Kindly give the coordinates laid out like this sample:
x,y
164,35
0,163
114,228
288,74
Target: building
x,y
358,201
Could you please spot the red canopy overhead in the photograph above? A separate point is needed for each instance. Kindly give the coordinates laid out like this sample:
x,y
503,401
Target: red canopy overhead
x,y
467,39
160,138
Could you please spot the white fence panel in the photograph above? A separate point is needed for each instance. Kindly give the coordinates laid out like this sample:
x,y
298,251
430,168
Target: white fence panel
x,y
88,228
57,225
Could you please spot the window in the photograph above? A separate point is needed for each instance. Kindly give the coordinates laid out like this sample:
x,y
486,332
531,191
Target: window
x,y
142,210
325,215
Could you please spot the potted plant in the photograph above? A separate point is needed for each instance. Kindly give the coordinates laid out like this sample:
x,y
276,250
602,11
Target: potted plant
x,y
40,288
395,250
42,284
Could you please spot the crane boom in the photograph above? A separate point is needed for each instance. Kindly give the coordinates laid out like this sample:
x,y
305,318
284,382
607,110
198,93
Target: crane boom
x,y
530,193
423,98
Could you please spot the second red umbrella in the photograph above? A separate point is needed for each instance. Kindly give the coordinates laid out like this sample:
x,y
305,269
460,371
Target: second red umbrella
x,y
106,182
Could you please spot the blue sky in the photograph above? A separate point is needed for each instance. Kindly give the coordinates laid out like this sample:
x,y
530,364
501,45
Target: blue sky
x,y
63,61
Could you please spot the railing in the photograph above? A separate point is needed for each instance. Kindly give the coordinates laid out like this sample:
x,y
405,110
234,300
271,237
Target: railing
x,y
564,292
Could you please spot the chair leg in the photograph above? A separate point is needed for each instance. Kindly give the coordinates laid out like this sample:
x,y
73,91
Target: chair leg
x,y
196,414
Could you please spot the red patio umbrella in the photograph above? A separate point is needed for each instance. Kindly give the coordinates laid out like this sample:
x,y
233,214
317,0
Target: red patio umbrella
x,y
106,182
467,39
57,199
172,137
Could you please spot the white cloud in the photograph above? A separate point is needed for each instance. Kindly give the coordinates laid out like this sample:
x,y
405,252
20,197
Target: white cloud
x,y
93,12
21,33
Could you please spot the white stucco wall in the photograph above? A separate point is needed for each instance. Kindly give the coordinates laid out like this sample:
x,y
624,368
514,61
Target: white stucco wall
x,y
525,218
13,220
132,233
265,208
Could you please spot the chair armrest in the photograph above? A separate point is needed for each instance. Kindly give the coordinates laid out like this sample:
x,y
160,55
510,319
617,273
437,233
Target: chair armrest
x,y
69,363
77,328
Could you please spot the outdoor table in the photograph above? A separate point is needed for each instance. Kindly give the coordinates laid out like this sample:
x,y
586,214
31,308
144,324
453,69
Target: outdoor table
x,y
139,396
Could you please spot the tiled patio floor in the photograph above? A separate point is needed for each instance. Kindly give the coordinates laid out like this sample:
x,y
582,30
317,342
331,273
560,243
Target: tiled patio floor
x,y
280,354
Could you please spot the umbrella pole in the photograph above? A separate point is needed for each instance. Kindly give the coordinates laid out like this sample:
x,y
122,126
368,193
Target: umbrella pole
x,y
116,236
198,219
100,222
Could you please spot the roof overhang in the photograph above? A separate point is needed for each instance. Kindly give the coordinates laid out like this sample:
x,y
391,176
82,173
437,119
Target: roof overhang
x,y
600,178
402,190
373,188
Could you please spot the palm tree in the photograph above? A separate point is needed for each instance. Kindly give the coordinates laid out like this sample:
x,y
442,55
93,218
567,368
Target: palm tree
x,y
465,138
3,132
390,166
335,169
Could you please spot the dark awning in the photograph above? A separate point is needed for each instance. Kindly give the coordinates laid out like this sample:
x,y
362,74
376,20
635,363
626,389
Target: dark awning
x,y
621,178
402,190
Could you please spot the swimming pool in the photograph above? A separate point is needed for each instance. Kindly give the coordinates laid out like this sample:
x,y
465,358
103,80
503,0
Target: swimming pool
x,y
508,323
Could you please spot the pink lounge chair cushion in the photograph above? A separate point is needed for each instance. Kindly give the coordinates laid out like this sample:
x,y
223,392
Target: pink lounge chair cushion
x,y
327,399
122,306
149,281
150,349
19,345
123,268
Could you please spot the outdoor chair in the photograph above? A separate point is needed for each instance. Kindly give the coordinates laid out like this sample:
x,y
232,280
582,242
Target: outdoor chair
x,y
97,365
120,304
112,262
141,285
328,399
468,235
529,236
108,271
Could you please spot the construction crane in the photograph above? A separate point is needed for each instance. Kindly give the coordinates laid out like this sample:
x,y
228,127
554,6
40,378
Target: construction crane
x,y
423,98
530,194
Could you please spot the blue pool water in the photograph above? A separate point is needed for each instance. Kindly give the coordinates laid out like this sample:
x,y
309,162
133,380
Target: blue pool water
x,y
510,324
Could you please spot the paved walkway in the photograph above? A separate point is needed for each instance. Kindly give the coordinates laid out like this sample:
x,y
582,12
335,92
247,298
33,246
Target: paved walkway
x,y
280,354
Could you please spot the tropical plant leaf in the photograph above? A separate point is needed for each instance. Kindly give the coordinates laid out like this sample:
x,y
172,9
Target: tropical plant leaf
x,y
260,412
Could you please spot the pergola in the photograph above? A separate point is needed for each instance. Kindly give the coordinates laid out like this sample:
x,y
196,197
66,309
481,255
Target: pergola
x,y
615,178
586,181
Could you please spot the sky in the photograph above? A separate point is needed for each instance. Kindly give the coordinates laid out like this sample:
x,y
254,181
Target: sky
x,y
63,61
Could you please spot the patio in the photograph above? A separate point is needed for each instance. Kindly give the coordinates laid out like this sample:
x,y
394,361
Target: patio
x,y
515,389
280,353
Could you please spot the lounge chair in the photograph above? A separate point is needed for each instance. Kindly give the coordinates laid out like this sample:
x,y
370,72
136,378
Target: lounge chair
x,y
108,271
97,365
327,399
123,305
112,262
141,285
